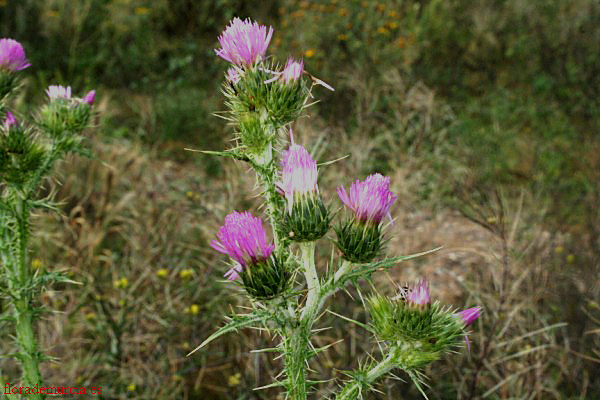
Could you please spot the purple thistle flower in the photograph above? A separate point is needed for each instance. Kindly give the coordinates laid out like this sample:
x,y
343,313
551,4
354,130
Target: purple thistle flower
x,y
12,55
58,92
244,239
233,75
90,97
469,315
299,174
292,71
10,120
244,42
371,199
418,295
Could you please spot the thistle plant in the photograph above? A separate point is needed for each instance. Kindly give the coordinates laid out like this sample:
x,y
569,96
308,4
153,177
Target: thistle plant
x,y
286,291
27,154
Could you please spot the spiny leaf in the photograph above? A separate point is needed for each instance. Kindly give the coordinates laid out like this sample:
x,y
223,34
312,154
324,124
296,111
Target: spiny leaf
x,y
237,322
361,270
229,153
365,326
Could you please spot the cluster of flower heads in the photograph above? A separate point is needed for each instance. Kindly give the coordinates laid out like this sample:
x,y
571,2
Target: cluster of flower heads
x,y
62,116
359,238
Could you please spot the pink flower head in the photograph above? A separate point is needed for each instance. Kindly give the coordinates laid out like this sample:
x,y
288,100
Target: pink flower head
x,y
292,71
58,92
10,120
299,174
244,239
244,42
418,295
469,315
371,199
90,97
12,55
233,75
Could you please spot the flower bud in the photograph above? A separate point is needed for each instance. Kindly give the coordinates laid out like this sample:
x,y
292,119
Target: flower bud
x,y
360,238
424,329
244,239
20,156
306,218
65,114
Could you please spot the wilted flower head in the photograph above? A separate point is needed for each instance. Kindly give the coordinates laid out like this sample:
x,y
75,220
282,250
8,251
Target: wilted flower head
x,y
233,75
244,42
58,92
469,315
371,199
418,295
292,71
12,55
89,97
244,239
299,173
10,120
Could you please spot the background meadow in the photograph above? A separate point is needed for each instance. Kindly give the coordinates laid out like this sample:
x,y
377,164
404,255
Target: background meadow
x,y
485,115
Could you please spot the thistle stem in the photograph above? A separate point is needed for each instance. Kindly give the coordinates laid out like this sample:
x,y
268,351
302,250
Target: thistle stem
x,y
312,281
344,268
23,297
267,176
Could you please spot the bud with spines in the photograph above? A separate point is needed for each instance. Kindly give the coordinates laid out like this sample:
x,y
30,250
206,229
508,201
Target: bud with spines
x,y
20,156
360,238
244,239
412,321
306,218
63,114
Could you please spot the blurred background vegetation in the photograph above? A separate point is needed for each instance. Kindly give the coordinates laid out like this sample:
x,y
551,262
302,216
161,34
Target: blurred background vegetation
x,y
486,115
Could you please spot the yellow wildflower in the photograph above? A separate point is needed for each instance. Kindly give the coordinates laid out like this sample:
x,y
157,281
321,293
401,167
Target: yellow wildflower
x,y
571,258
342,36
141,11
309,53
162,273
131,387
559,249
186,273
36,263
121,283
235,379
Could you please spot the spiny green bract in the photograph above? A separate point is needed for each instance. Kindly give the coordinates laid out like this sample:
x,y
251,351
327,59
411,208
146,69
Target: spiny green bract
x,y
282,102
64,116
20,156
253,133
359,242
309,219
428,331
266,279
8,81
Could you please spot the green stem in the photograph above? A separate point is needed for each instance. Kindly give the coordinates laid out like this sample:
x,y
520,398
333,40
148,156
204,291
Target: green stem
x,y
354,389
295,362
23,302
312,281
267,175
